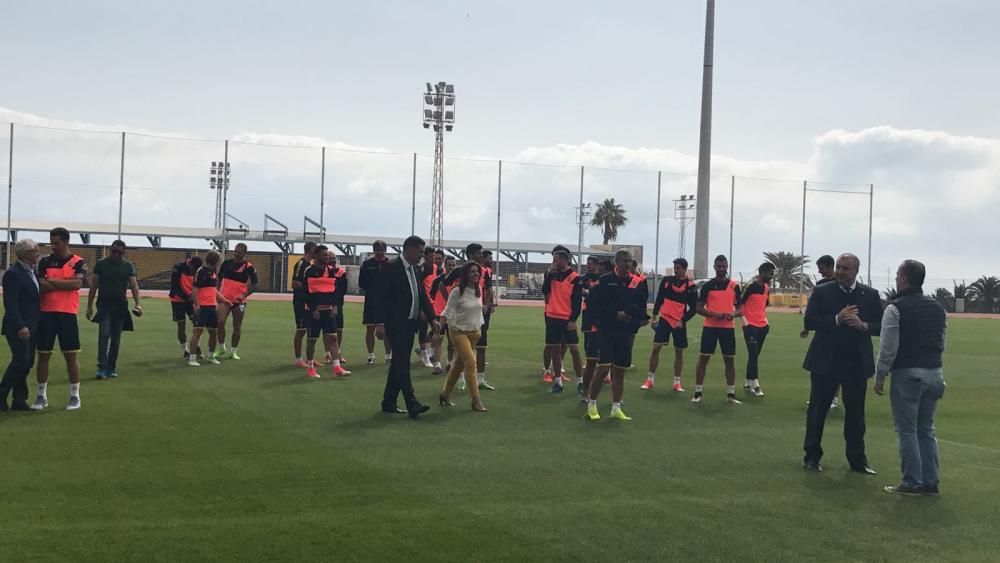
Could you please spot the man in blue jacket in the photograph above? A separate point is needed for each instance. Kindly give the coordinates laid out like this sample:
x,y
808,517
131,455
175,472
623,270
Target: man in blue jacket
x,y
20,322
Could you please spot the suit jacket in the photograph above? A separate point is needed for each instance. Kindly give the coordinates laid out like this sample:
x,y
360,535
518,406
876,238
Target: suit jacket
x,y
831,343
393,301
20,301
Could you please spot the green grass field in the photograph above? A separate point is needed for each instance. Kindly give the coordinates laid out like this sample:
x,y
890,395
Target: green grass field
x,y
250,461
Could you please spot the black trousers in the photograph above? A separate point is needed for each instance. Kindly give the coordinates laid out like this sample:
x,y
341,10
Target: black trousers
x,y
754,337
398,381
823,388
22,359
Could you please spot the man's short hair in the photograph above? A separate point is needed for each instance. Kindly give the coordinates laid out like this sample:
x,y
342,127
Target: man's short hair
x,y
766,267
826,260
119,243
428,250
212,257
379,245
309,247
721,258
195,262
487,253
238,245
24,246
472,249
623,253
562,254
914,271
60,233
593,259
559,247
413,242
439,252
681,262
321,248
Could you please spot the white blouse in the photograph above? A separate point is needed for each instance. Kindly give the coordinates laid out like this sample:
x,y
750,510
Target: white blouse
x,y
464,312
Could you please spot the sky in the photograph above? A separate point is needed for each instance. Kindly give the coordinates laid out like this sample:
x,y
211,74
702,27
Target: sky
x,y
899,94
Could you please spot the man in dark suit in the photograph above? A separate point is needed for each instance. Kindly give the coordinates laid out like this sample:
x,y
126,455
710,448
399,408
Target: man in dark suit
x,y
400,303
844,316
20,322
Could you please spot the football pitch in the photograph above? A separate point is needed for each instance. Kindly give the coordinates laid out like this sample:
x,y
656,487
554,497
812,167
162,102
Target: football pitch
x,y
252,461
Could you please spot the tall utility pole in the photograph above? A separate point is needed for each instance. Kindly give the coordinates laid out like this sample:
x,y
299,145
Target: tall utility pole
x,y
218,180
582,220
682,209
705,149
439,114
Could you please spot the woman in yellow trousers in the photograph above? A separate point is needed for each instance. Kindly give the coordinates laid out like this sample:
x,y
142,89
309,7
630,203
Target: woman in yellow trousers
x,y
464,316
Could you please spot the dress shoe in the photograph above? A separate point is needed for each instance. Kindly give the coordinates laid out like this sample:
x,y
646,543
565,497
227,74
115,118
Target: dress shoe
x,y
21,407
864,470
417,410
813,465
394,410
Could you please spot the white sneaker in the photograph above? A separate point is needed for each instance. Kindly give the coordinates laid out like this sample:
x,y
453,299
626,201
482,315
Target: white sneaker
x,y
74,404
214,361
697,397
757,392
40,403
733,400
193,362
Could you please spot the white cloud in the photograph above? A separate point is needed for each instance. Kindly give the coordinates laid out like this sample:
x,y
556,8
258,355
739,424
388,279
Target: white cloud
x,y
936,194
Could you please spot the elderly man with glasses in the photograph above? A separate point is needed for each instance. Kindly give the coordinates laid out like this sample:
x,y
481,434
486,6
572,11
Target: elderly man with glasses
x,y
111,278
20,323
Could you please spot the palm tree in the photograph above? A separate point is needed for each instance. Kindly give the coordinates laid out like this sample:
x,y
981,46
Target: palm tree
x,y
945,298
609,216
985,292
789,270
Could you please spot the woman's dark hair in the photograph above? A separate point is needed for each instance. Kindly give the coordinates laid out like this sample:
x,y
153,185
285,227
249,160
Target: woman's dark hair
x,y
464,280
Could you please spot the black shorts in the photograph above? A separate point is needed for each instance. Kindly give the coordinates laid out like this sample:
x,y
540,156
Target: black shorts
x,y
614,346
340,317
182,311
664,332
300,312
725,338
58,325
484,333
207,317
591,345
326,323
368,316
557,333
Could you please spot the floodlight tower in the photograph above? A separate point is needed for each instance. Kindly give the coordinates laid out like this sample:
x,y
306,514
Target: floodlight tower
x,y
439,114
218,180
681,208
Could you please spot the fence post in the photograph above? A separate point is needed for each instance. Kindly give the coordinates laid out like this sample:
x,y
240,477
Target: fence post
x,y
121,187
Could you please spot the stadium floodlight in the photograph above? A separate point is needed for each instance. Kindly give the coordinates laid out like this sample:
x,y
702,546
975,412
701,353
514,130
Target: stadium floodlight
x,y
682,209
218,180
437,98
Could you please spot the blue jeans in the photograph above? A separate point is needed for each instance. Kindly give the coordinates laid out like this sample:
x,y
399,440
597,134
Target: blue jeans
x,y
914,394
109,339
